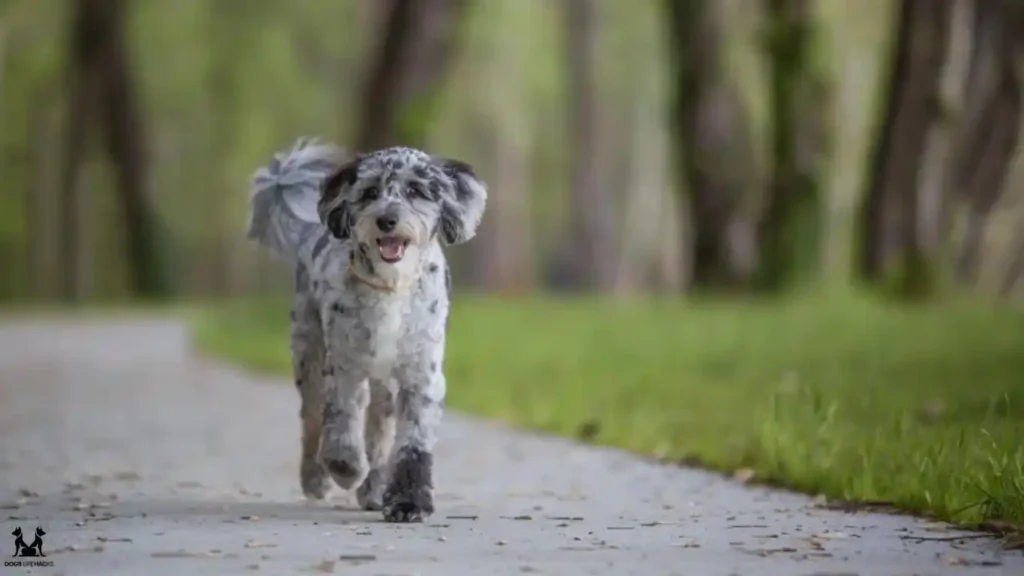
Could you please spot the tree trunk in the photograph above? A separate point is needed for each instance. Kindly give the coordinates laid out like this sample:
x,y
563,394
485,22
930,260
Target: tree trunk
x,y
1015,267
101,83
790,229
645,202
591,235
714,143
43,138
81,96
991,121
889,219
127,147
501,130
407,72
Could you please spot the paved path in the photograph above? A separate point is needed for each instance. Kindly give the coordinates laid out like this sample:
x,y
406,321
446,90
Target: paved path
x,y
136,457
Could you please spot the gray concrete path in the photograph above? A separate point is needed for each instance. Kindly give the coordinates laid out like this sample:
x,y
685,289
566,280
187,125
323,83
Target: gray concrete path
x,y
137,457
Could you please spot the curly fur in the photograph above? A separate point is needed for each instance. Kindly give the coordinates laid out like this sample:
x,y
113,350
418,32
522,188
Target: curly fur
x,y
367,332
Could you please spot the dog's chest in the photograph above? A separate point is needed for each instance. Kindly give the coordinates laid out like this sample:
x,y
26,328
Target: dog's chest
x,y
382,322
384,338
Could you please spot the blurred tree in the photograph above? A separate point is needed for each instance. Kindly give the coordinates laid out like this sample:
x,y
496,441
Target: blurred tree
x,y
1014,272
495,81
790,228
889,231
990,122
410,64
589,245
101,87
715,146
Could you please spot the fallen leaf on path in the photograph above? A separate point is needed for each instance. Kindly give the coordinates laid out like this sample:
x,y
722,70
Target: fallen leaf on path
x,y
960,561
763,552
325,566
107,539
830,535
14,505
181,554
743,475
258,544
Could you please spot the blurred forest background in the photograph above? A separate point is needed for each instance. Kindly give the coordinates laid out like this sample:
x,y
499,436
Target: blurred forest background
x,y
653,145
653,148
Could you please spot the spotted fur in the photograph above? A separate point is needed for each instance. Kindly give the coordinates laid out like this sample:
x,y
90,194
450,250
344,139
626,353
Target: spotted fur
x,y
367,336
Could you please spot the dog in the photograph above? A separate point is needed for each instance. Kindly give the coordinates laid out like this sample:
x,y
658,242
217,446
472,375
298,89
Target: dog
x,y
35,549
370,309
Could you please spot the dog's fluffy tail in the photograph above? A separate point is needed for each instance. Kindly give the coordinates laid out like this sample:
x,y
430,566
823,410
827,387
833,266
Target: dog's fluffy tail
x,y
283,196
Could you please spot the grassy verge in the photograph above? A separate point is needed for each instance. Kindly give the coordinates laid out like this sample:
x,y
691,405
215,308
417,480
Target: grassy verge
x,y
922,407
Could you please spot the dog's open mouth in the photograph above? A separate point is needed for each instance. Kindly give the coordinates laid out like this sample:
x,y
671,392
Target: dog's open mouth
x,y
392,248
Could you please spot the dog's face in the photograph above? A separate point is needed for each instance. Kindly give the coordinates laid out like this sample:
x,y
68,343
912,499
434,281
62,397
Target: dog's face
x,y
396,199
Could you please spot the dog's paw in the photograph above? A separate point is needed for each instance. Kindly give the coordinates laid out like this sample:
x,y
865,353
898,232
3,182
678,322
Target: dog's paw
x,y
370,493
414,506
409,497
315,481
346,464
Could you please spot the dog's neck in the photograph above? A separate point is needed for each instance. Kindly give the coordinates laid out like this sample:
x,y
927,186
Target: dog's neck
x,y
384,277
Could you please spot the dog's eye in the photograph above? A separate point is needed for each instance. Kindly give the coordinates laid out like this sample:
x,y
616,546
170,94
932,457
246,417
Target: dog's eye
x,y
370,193
416,191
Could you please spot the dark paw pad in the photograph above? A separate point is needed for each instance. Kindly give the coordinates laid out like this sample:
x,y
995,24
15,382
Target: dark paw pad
x,y
409,511
409,495
346,464
345,474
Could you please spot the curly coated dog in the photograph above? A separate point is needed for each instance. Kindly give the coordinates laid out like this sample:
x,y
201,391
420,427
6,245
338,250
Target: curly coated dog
x,y
370,310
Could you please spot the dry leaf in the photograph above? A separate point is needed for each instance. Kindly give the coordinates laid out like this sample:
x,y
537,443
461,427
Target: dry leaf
x,y
743,475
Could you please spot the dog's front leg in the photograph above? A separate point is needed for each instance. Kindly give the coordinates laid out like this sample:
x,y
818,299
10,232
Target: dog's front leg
x,y
342,449
409,495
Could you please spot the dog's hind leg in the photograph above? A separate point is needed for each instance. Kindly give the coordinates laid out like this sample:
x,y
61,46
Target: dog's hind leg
x,y
308,351
380,436
346,396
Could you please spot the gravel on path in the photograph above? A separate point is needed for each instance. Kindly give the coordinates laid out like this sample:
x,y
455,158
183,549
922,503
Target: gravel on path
x,y
136,456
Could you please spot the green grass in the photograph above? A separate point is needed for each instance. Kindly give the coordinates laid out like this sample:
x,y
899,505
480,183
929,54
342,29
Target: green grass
x,y
919,406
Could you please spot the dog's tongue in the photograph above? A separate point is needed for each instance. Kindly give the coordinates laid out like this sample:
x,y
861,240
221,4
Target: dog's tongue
x,y
392,248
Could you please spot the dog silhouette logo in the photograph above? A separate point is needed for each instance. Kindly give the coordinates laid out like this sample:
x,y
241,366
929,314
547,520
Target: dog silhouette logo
x,y
33,550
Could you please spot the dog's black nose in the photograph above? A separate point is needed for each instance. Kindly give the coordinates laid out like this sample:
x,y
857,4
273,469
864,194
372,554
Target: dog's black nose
x,y
387,223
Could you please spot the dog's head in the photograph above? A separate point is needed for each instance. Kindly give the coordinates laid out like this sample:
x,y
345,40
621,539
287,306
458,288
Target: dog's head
x,y
40,532
17,532
397,199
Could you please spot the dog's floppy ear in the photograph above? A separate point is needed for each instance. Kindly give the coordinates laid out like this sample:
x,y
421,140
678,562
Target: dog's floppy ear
x,y
333,207
462,206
